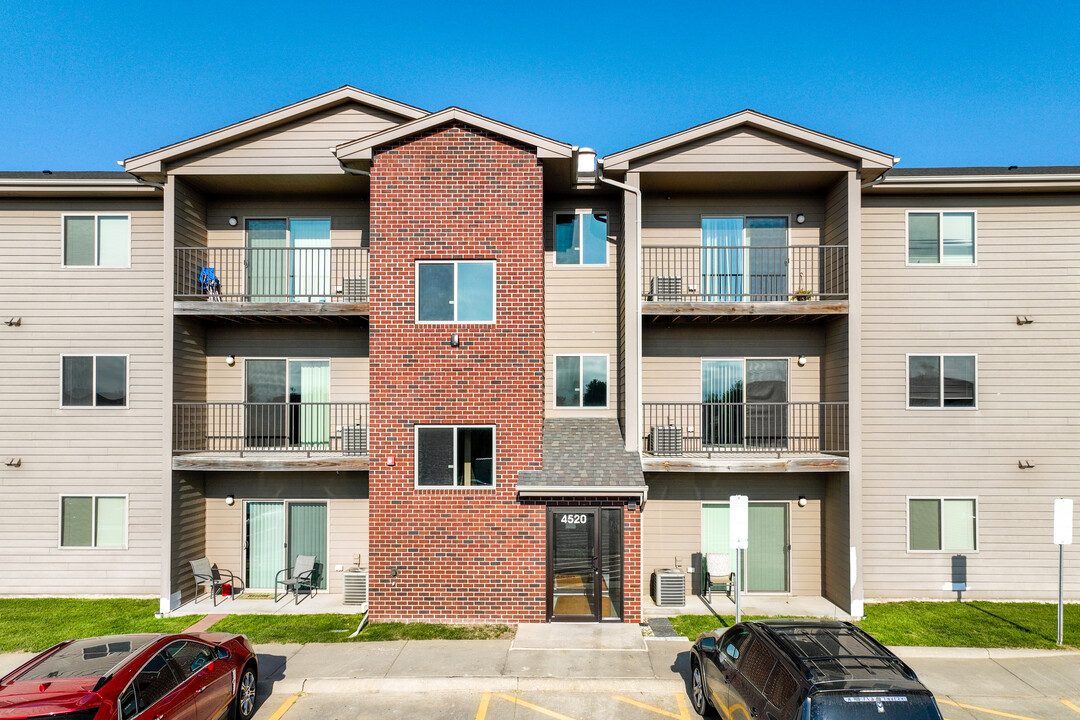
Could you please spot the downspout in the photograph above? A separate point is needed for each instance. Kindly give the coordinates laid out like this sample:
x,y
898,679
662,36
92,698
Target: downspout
x,y
346,168
159,186
880,178
637,250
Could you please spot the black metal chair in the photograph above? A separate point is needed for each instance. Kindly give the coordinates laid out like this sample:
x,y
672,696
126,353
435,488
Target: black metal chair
x,y
299,577
217,579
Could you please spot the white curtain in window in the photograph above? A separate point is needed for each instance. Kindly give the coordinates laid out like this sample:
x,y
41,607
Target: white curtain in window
x,y
311,248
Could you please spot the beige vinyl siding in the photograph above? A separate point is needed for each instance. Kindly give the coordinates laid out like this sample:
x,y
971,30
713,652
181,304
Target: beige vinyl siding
x,y
188,530
297,147
580,310
69,310
347,514
190,214
743,149
671,519
189,360
1027,389
345,347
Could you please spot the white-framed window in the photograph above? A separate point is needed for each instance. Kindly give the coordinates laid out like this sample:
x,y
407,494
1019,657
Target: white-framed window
x,y
581,381
581,238
94,381
93,240
455,291
93,521
941,238
942,524
941,381
455,456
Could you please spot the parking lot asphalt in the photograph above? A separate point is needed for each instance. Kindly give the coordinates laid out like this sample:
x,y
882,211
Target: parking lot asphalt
x,y
589,677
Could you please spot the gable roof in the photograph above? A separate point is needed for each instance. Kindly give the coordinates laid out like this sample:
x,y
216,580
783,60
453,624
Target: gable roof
x,y
363,148
153,161
750,118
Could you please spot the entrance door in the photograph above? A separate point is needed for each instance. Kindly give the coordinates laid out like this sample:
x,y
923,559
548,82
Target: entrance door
x,y
277,532
744,403
585,564
288,260
765,561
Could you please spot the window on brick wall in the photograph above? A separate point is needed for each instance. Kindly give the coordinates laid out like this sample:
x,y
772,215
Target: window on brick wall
x,y
581,238
455,456
461,291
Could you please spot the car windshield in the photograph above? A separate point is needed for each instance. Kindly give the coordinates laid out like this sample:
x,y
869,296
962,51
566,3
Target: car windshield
x,y
92,657
853,705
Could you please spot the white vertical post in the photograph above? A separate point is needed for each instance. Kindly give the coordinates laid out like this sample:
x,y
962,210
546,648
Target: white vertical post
x,y
1063,535
739,527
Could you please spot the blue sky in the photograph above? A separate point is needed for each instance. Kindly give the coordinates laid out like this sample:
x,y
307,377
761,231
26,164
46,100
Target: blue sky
x,y
84,84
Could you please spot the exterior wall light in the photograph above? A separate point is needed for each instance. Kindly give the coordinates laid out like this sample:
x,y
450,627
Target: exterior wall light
x,y
230,500
233,221
454,340
801,361
802,501
800,218
230,360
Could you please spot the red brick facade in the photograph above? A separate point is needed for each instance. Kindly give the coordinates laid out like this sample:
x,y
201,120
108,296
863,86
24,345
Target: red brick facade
x,y
460,554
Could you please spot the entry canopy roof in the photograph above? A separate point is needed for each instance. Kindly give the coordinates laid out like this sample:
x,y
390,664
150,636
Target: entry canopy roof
x,y
871,162
584,457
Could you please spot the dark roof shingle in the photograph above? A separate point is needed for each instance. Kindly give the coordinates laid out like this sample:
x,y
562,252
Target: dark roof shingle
x,y
586,452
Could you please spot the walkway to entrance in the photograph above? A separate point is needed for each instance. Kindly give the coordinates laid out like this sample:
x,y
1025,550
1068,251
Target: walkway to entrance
x,y
579,636
772,605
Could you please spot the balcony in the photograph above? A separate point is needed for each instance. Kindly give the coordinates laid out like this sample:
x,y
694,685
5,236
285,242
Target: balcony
x,y
745,437
270,436
254,282
792,281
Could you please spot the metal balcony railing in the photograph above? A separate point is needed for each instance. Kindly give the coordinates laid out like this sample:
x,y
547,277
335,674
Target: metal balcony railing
x,y
744,273
272,275
239,428
708,428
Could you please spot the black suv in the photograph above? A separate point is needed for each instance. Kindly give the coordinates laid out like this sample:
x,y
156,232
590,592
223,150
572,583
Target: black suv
x,y
804,670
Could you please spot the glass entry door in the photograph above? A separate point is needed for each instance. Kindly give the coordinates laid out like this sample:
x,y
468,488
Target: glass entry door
x,y
288,260
585,564
765,562
276,533
744,404
744,259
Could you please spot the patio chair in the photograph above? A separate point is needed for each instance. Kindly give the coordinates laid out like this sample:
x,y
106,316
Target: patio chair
x,y
217,579
717,574
300,576
209,284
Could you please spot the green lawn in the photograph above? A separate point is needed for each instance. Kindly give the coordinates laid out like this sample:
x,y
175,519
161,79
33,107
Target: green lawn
x,y
943,624
337,628
38,623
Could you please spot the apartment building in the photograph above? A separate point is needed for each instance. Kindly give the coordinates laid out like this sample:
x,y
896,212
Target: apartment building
x,y
511,386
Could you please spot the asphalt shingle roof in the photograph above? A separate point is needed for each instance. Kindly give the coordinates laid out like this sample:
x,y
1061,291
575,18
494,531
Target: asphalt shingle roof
x,y
993,171
68,175
587,452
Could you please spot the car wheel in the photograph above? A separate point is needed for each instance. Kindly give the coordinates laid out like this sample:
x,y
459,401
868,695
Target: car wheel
x,y
244,702
699,693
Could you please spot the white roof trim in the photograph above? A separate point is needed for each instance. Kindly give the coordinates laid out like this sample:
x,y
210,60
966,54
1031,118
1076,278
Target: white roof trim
x,y
544,491
363,148
152,161
870,158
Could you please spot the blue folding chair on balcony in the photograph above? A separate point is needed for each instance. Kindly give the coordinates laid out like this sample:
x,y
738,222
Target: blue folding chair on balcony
x,y
209,285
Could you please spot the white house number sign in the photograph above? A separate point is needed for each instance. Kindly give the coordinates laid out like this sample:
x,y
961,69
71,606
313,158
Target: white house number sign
x,y
573,519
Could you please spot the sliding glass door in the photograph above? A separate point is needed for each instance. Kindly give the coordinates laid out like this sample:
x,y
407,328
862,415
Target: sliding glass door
x,y
744,259
766,559
276,532
744,403
288,260
287,403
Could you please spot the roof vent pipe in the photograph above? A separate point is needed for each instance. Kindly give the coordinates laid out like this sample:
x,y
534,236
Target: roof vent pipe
x,y
585,166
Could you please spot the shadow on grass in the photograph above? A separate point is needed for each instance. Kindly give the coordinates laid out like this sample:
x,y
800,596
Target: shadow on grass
x,y
1013,623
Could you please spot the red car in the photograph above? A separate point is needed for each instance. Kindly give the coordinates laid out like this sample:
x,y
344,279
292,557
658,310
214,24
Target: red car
x,y
191,676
